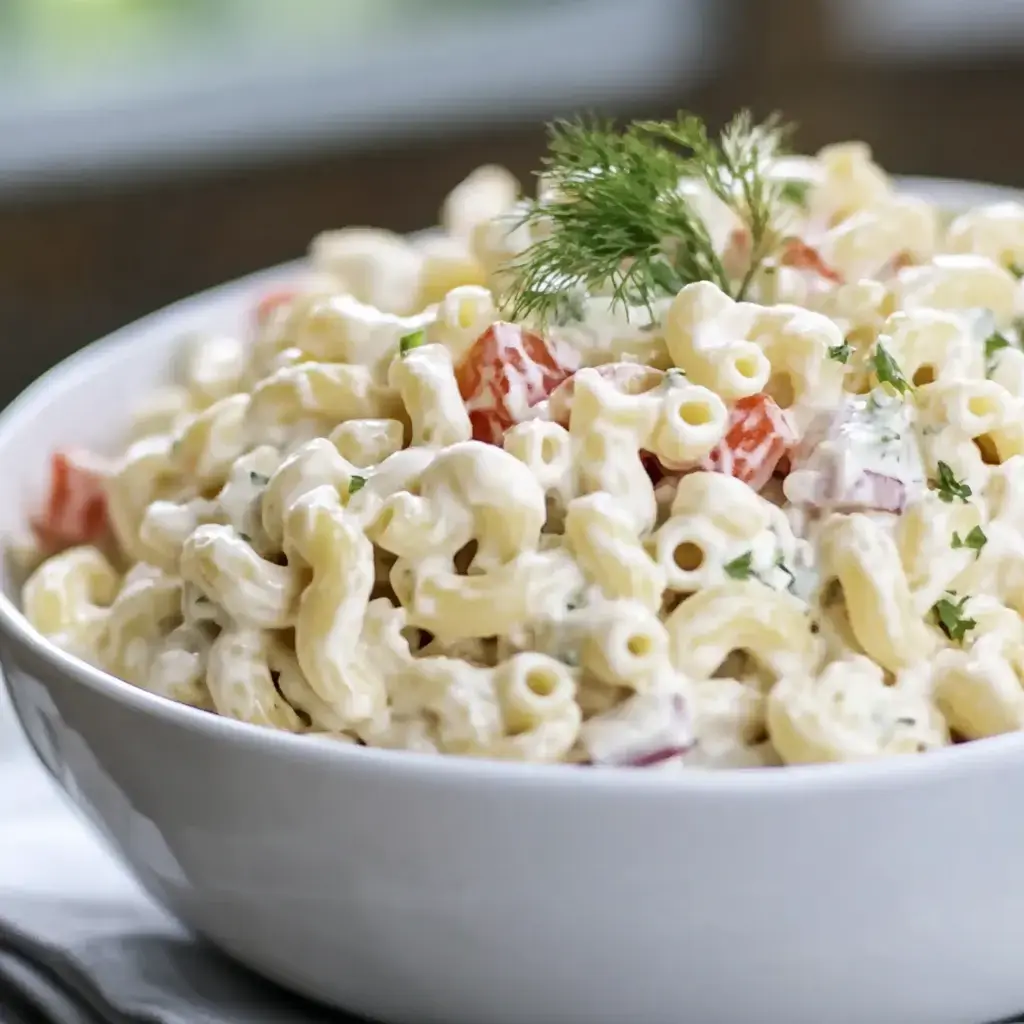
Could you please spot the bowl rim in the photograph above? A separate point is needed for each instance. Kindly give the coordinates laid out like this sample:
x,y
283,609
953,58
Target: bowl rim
x,y
958,760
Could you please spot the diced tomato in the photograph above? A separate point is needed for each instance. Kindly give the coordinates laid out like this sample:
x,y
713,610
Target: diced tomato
x,y
628,378
272,301
76,508
797,253
506,372
757,436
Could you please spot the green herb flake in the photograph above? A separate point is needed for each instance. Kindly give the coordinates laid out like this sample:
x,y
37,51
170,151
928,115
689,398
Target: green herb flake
x,y
739,568
356,484
795,192
948,487
995,342
410,341
1017,270
258,479
974,541
887,370
951,619
840,353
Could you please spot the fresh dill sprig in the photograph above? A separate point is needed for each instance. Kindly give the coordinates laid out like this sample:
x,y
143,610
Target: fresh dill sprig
x,y
617,221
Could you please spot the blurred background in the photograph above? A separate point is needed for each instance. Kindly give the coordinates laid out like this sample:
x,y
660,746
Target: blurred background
x,y
151,148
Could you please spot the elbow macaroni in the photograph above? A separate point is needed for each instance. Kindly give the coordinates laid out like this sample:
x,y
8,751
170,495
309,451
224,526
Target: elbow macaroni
x,y
733,528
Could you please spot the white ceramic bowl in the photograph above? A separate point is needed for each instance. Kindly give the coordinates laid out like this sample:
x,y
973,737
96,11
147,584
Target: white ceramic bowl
x,y
417,889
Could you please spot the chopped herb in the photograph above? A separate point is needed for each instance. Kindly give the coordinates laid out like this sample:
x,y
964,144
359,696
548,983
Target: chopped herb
x,y
951,618
887,370
906,721
410,341
620,224
246,538
571,658
993,343
948,487
356,484
258,479
975,540
1017,270
795,192
840,353
888,437
739,568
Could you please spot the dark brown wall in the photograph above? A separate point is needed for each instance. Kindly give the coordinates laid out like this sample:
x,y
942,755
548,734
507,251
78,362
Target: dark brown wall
x,y
74,265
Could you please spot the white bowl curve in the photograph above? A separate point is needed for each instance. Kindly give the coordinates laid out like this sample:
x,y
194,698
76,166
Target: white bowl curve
x,y
447,891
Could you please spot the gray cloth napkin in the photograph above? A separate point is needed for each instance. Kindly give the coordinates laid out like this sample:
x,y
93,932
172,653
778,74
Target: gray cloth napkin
x,y
80,943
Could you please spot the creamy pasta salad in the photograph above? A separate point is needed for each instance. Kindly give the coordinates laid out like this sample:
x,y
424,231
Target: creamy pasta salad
x,y
706,457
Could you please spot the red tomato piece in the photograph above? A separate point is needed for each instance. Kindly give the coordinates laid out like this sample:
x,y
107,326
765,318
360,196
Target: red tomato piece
x,y
76,508
506,372
271,301
757,437
799,254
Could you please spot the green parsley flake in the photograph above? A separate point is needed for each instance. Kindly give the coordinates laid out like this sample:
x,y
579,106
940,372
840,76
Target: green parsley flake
x,y
951,618
1017,270
410,341
887,370
356,484
739,568
993,344
258,479
795,192
948,487
840,353
975,540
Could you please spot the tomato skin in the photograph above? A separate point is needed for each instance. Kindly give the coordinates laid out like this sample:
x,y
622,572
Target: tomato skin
x,y
799,254
503,374
758,435
76,507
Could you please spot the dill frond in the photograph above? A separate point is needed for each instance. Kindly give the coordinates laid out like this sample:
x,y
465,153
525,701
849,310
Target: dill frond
x,y
617,222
